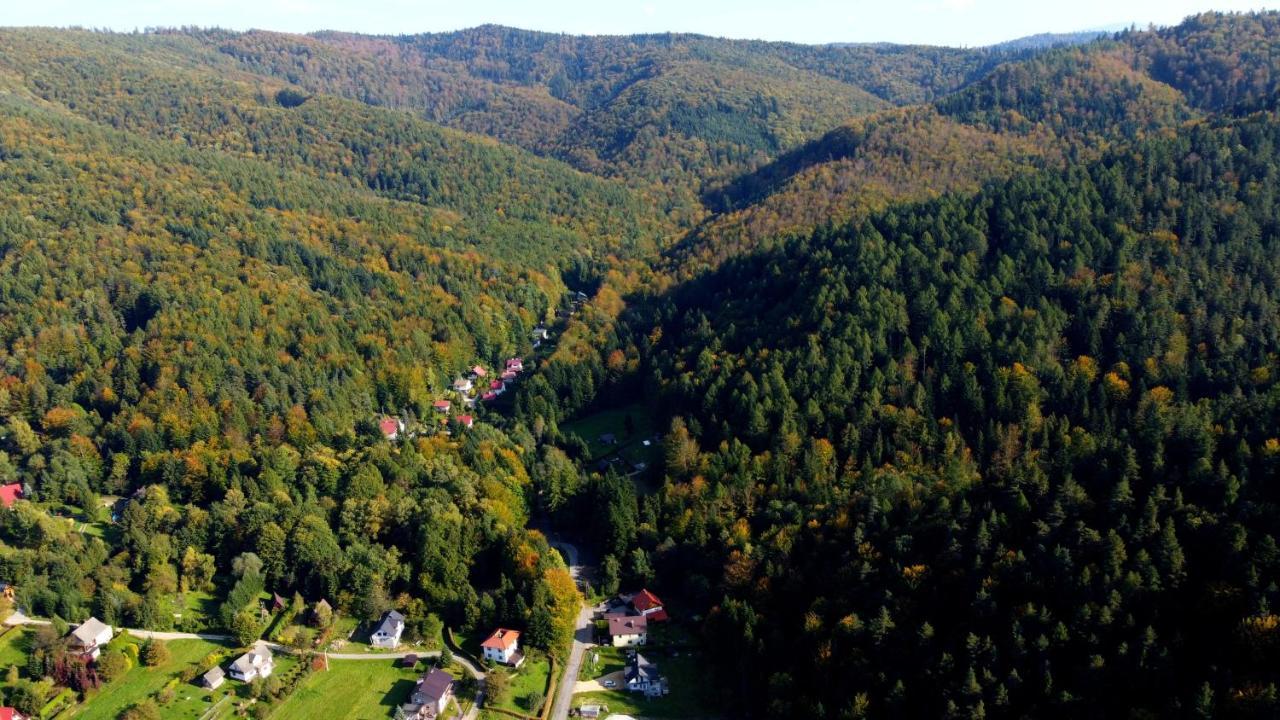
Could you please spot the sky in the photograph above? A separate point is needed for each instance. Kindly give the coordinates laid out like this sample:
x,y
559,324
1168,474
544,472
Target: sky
x,y
935,22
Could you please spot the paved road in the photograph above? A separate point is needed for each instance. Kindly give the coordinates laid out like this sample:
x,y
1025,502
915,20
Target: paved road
x,y
569,680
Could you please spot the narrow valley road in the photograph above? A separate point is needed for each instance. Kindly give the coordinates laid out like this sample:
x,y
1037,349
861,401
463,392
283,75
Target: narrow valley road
x,y
581,638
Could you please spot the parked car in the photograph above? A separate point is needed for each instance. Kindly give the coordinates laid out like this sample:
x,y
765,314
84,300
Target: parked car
x,y
608,683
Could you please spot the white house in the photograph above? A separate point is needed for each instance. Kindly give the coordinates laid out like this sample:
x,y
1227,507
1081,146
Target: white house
x,y
213,679
462,385
389,630
91,636
430,696
628,630
503,646
254,664
642,676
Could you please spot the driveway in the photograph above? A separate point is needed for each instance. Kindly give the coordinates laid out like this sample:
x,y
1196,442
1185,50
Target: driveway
x,y
598,684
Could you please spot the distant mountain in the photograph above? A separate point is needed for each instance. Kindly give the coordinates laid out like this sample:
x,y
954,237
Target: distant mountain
x,y
675,110
1044,41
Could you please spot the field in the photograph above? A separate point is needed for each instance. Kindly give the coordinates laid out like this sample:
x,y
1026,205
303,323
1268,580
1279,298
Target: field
x,y
629,445
530,679
687,699
13,649
607,660
142,682
350,690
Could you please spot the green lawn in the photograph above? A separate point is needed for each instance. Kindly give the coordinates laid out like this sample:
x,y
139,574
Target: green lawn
x,y
531,678
350,690
607,660
614,421
141,682
688,697
13,649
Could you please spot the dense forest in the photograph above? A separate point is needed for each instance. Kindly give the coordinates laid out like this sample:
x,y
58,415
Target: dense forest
x,y
963,362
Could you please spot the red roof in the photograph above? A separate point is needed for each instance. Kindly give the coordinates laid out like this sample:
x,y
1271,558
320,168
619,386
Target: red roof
x,y
8,713
501,639
479,371
8,494
645,600
496,384
489,396
466,420
389,426
441,404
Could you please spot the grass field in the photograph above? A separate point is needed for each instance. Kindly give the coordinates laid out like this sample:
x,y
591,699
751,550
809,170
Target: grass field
x,y
13,649
687,699
141,682
530,679
350,690
614,421
607,660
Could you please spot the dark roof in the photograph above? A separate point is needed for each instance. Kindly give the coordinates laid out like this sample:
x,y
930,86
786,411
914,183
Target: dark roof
x,y
392,623
628,625
640,669
435,684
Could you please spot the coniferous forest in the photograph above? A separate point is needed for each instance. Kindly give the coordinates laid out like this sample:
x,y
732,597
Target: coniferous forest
x,y
917,381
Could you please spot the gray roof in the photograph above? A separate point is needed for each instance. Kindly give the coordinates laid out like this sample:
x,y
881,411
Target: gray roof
x,y
214,675
244,663
89,630
392,623
641,670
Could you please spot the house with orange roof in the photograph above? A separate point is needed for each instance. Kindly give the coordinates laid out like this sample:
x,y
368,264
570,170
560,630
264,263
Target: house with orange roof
x,y
503,646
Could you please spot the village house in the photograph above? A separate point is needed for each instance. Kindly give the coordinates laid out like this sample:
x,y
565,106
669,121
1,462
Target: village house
x,y
389,630
628,630
509,376
391,427
466,421
90,637
478,372
489,396
647,604
515,365
213,679
430,697
540,333
642,676
462,386
11,493
8,713
589,712
442,406
497,387
503,646
254,664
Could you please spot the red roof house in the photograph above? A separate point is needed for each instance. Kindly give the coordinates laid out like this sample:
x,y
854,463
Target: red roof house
x,y
648,604
390,427
8,713
479,371
489,396
466,420
10,493
442,405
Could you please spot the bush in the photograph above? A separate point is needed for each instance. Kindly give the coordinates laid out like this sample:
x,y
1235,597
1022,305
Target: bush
x,y
112,664
143,710
155,652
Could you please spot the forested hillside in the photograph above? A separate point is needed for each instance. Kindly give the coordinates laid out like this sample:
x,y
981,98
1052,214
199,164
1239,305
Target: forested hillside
x,y
1068,104
947,379
675,111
